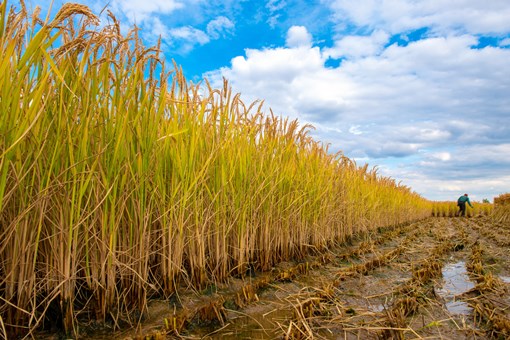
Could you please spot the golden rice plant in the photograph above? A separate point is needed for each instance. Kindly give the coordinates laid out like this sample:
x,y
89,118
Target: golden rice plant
x,y
482,209
119,180
450,209
501,211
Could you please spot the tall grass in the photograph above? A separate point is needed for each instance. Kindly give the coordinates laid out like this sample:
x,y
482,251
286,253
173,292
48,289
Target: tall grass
x,y
119,180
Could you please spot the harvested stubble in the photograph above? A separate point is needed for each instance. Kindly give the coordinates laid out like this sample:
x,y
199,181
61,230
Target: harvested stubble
x,y
373,263
304,311
486,310
499,231
390,323
120,180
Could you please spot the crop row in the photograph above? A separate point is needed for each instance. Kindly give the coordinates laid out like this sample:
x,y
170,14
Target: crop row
x,y
488,311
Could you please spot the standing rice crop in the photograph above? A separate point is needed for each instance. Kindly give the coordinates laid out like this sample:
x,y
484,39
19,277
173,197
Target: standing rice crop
x,y
450,209
501,211
119,180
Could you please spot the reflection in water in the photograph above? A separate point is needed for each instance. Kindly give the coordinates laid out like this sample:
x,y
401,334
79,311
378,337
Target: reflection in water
x,y
456,281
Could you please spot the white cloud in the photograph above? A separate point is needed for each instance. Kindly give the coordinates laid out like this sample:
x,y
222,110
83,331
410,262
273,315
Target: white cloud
x,y
431,135
279,64
355,130
358,46
385,149
190,33
469,16
220,27
298,36
505,42
274,7
140,10
158,28
485,154
436,78
187,38
184,39
442,156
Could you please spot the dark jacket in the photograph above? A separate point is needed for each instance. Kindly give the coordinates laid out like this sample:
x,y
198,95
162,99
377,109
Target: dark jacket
x,y
463,199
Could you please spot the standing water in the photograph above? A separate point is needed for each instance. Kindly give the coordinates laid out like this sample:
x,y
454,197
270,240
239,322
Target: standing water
x,y
455,281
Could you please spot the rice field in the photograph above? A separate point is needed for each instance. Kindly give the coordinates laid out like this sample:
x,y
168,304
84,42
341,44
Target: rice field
x,y
123,184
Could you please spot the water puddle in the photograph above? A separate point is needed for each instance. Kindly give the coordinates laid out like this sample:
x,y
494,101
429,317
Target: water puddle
x,y
455,282
377,308
259,324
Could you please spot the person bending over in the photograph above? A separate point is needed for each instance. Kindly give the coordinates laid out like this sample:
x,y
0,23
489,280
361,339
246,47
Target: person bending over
x,y
461,202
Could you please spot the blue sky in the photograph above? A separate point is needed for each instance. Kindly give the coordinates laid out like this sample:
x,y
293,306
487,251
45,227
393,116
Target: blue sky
x,y
420,89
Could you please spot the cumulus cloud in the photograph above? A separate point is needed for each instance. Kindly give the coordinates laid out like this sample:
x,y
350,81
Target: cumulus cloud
x,y
298,36
188,37
358,46
280,64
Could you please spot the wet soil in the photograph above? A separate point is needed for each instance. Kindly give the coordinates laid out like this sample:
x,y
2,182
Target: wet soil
x,y
440,278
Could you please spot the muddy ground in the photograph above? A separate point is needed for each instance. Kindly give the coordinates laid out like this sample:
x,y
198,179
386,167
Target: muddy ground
x,y
441,278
